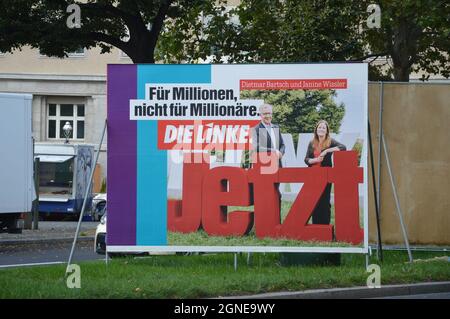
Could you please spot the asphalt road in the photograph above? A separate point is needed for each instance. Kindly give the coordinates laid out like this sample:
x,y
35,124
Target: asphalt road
x,y
442,295
36,253
51,231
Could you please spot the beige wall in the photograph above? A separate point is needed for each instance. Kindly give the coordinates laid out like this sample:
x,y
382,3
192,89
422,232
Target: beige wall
x,y
415,120
29,61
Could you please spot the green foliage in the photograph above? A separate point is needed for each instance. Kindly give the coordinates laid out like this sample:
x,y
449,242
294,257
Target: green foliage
x,y
200,30
42,24
211,275
220,155
414,34
298,111
307,31
358,148
245,160
133,26
201,238
269,31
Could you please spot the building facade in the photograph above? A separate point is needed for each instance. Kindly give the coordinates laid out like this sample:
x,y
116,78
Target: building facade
x,y
71,90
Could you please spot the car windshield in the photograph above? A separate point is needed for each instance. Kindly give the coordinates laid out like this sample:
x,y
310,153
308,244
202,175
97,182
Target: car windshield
x,y
100,208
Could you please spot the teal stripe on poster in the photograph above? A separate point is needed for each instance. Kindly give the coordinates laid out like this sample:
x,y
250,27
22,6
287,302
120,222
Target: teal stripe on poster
x,y
151,215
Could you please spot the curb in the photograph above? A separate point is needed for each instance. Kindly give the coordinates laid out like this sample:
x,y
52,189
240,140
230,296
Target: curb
x,y
355,292
44,241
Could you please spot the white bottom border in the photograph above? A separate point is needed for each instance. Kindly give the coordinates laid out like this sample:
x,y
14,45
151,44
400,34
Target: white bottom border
x,y
236,249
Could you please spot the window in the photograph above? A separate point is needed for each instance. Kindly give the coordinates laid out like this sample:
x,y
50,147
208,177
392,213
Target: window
x,y
56,177
59,114
123,55
77,53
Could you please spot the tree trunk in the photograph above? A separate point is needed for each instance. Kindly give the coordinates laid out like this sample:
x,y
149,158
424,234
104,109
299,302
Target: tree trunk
x,y
140,58
401,74
141,54
141,48
404,48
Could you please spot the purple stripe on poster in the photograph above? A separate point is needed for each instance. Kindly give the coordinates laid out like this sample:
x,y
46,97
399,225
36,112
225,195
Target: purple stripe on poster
x,y
121,182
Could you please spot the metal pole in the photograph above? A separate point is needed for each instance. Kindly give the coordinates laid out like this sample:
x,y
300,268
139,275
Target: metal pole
x,y
36,187
397,203
235,262
28,217
379,244
369,253
106,258
380,133
85,200
106,249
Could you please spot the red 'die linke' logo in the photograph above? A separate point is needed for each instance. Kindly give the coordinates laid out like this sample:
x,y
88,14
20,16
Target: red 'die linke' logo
x,y
201,135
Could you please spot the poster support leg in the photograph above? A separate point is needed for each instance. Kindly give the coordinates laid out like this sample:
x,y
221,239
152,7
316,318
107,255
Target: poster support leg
x,y
397,203
36,187
380,147
88,189
235,262
368,255
376,195
106,250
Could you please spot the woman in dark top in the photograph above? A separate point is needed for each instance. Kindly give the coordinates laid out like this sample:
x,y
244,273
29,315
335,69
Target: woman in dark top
x,y
319,154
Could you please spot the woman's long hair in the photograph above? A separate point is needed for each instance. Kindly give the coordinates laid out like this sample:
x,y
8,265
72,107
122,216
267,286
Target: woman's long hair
x,y
327,142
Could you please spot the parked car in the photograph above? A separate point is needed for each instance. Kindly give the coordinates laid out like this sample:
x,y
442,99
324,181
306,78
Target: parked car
x,y
100,234
98,205
100,240
100,237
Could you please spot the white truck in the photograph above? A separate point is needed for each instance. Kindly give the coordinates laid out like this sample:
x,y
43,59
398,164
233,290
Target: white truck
x,y
16,160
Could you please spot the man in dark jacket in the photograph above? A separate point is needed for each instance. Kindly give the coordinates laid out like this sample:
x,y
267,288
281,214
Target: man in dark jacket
x,y
266,136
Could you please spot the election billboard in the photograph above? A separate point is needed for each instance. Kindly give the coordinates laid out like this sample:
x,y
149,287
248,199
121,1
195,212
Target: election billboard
x,y
237,158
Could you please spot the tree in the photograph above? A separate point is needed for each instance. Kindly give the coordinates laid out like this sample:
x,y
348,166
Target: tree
x,y
298,111
414,35
133,26
204,31
272,31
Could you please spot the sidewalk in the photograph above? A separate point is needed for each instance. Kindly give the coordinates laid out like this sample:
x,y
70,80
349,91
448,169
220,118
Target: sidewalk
x,y
51,232
355,292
